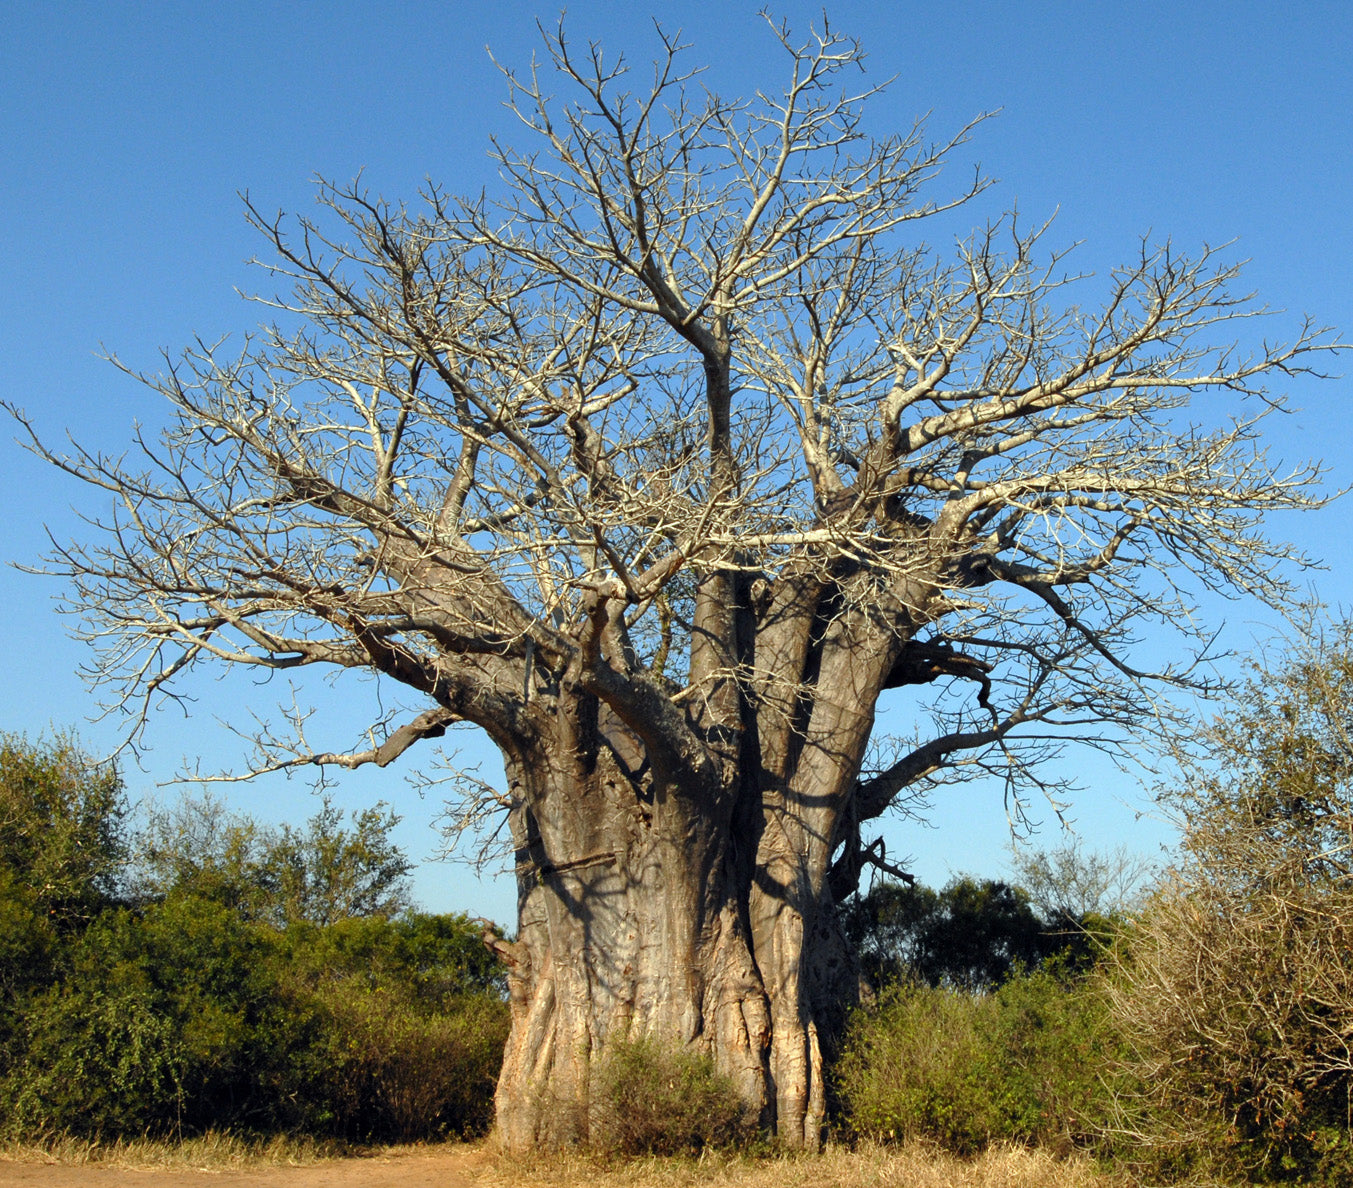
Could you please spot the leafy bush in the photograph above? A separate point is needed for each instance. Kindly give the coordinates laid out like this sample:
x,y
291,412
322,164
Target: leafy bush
x,y
434,957
651,1099
62,848
909,1068
395,1072
1237,990
182,1017
411,1023
1018,1065
166,1019
95,1061
1052,1040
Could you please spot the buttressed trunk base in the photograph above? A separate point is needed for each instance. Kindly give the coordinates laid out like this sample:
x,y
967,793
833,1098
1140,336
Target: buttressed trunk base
x,y
635,922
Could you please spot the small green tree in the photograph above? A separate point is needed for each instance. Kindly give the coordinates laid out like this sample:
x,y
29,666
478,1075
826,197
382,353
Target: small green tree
x,y
200,844
321,873
1083,898
1237,987
62,844
62,838
326,873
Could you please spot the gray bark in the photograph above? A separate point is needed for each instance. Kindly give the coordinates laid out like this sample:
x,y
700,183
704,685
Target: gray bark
x,y
686,901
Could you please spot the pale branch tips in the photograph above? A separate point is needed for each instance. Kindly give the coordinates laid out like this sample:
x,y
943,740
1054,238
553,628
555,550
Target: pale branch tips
x,y
663,467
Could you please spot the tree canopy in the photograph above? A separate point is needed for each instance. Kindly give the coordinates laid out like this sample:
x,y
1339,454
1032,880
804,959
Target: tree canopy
x,y
970,935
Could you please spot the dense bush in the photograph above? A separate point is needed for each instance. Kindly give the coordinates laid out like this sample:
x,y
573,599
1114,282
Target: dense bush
x,y
62,850
652,1099
1023,1064
396,1071
94,1061
411,1022
202,990
147,1027
432,957
180,1017
1237,991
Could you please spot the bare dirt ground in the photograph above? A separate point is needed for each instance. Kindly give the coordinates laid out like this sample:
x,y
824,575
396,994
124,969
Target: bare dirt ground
x,y
446,1167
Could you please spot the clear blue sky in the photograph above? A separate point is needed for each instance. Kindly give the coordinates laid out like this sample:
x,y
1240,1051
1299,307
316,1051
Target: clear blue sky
x,y
126,131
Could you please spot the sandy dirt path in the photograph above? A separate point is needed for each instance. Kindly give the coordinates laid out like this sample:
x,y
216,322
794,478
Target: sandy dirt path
x,y
411,1169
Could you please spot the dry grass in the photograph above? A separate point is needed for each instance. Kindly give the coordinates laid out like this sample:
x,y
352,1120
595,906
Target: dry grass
x,y
913,1166
213,1151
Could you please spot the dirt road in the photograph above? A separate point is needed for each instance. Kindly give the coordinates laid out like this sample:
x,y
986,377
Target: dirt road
x,y
412,1169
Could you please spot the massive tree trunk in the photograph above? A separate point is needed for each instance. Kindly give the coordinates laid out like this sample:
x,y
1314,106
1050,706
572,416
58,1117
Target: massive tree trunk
x,y
632,924
661,897
642,918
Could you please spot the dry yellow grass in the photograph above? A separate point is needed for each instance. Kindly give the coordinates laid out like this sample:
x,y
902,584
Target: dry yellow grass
x,y
213,1151
912,1166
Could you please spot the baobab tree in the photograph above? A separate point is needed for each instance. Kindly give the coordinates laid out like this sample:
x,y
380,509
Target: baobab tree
x,y
662,466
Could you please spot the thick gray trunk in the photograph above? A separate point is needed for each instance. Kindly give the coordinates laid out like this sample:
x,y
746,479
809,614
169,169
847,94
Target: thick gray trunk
x,y
630,927
688,907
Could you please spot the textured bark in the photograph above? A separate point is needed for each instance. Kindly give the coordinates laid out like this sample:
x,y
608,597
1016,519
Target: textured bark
x,y
664,899
632,924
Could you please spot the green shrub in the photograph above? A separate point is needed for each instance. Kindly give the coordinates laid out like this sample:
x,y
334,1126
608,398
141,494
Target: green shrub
x,y
183,1017
1020,1065
61,855
396,1071
908,1068
651,1099
1053,1043
28,945
434,957
95,1062
410,1023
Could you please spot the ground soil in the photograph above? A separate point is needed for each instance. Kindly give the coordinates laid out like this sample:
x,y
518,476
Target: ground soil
x,y
410,1168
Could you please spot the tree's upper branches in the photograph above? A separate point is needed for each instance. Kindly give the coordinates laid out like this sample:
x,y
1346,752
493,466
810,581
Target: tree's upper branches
x,y
488,444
